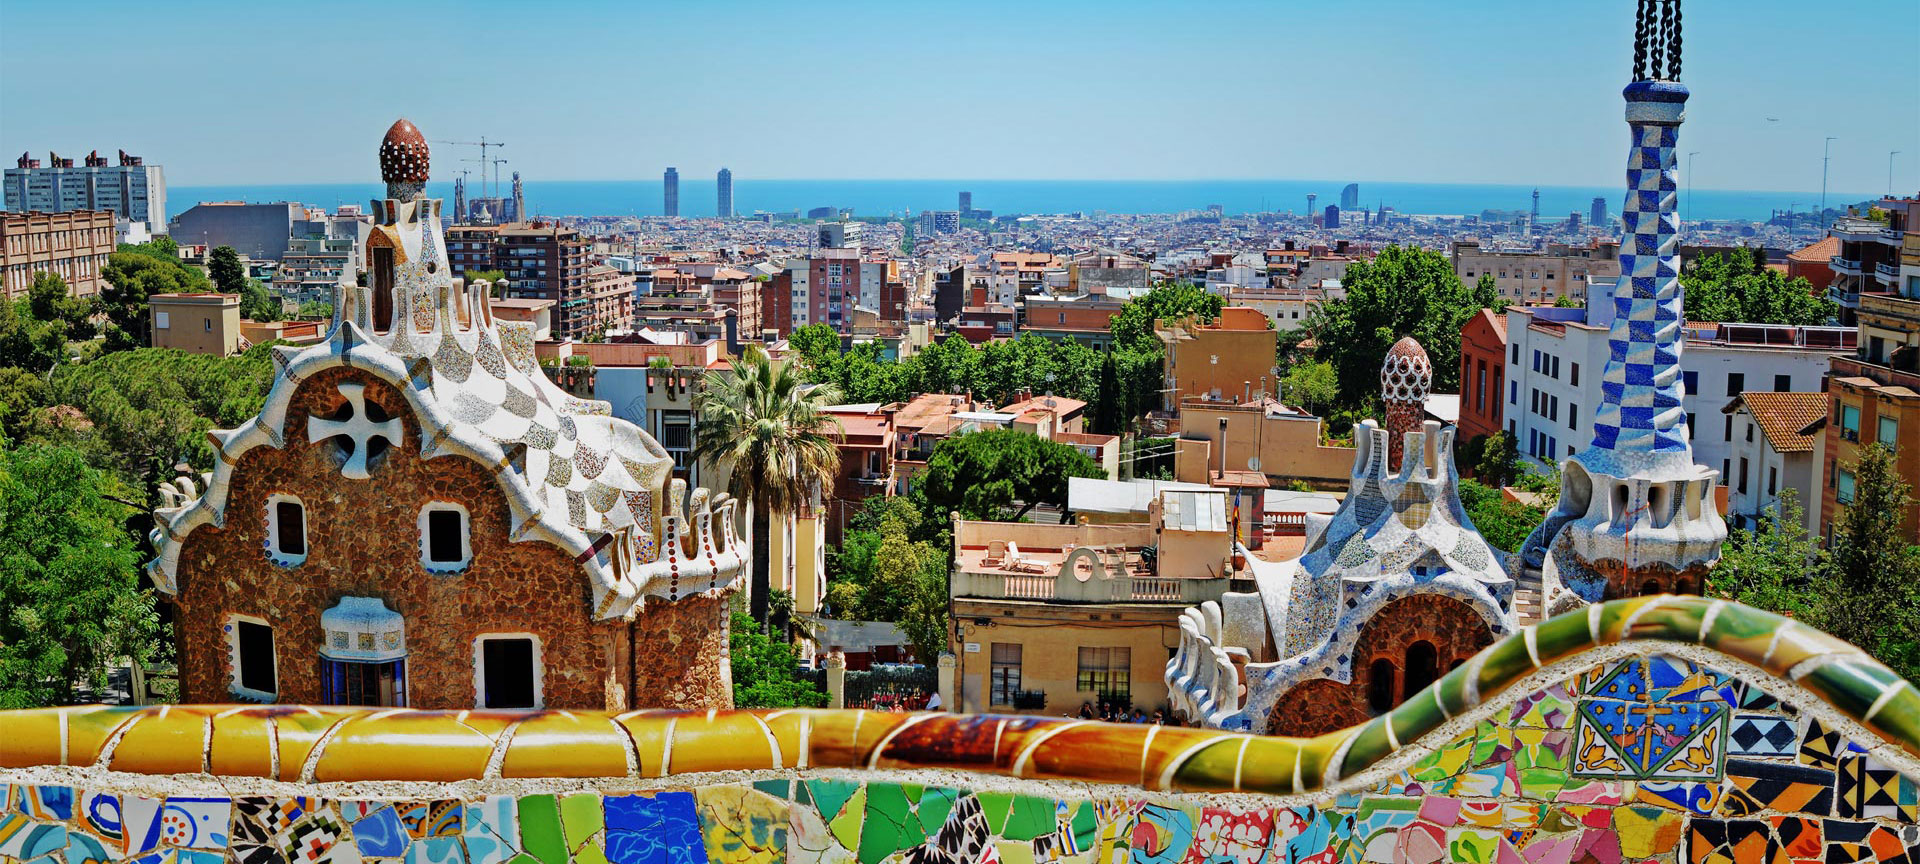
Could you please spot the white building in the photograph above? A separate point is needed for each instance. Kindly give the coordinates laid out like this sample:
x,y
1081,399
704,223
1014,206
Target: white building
x,y
132,189
1554,358
1772,450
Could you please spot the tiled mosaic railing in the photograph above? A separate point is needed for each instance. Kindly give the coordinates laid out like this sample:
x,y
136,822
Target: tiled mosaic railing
x,y
1670,729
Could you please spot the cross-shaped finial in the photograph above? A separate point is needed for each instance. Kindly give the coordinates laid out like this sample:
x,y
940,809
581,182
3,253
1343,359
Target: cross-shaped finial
x,y
357,428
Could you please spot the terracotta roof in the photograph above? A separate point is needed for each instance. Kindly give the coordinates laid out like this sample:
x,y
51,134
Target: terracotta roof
x,y
1817,252
1784,416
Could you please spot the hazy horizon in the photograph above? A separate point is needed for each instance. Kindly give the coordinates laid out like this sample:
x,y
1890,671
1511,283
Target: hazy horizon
x,y
1499,92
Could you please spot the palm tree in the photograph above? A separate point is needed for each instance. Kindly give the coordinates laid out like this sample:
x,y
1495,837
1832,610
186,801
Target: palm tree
x,y
767,426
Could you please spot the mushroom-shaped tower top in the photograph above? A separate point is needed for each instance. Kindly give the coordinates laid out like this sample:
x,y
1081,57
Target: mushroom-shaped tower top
x,y
1407,374
403,154
1405,378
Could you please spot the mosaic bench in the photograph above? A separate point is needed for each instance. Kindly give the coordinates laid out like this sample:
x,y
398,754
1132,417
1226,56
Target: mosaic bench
x,y
1653,729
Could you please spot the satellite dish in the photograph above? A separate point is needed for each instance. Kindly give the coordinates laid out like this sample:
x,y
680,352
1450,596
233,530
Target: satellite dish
x,y
1253,463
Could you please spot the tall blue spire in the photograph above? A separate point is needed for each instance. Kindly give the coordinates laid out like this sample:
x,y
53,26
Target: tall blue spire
x,y
1641,423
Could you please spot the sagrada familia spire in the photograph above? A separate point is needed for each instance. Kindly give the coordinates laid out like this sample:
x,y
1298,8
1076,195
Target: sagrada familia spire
x,y
1636,514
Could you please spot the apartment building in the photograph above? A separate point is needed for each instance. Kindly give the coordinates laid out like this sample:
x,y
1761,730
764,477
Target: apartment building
x,y
1869,261
1051,617
1483,374
202,323
1772,451
130,189
73,245
1874,393
1538,278
1555,357
545,260
1086,319
311,269
1231,358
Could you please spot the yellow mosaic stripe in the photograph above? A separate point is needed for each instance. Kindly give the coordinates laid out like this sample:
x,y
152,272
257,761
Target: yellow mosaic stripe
x,y
303,744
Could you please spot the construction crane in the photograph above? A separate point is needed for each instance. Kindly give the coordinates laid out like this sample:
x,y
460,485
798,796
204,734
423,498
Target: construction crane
x,y
483,144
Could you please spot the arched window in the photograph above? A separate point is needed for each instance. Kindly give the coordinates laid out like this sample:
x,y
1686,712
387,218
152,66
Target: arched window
x,y
1380,686
1423,666
380,279
1651,587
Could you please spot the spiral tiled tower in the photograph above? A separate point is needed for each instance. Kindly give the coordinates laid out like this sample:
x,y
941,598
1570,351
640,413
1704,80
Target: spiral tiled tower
x,y
1636,514
1405,378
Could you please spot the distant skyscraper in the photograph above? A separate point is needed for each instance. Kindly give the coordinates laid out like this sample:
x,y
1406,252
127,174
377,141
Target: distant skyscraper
x,y
1333,216
670,183
132,189
966,202
1597,214
724,207
1350,197
519,200
1533,216
1310,199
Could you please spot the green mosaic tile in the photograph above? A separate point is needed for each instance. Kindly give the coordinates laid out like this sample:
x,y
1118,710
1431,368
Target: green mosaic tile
x,y
890,825
1562,636
1453,690
781,789
540,833
1084,825
1899,720
1369,746
1031,817
1673,618
1851,687
1506,662
1416,717
580,816
935,804
829,796
995,806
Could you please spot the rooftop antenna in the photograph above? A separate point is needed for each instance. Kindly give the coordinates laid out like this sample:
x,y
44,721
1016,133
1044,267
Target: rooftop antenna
x,y
483,144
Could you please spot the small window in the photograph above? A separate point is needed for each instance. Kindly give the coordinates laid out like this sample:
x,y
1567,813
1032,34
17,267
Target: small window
x,y
1573,416
206,324
1690,426
250,640
1749,432
1005,673
1691,382
1736,383
1843,487
1574,377
507,671
1783,383
1380,686
162,321
444,542
1889,431
286,530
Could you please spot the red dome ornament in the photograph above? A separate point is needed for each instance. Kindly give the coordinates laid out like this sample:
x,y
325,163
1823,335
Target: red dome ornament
x,y
403,154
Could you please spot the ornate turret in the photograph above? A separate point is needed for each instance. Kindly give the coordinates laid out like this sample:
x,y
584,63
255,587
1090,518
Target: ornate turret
x,y
1405,378
403,160
1636,515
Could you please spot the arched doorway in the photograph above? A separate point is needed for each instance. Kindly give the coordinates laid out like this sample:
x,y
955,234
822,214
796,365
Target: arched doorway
x,y
1421,669
1380,686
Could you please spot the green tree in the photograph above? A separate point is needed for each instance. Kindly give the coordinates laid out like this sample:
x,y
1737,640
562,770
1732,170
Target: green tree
x,y
1486,295
70,596
1870,592
770,430
1739,288
224,268
910,588
999,474
817,344
1311,385
1132,327
763,670
1504,523
133,275
1499,463
1565,302
35,329
314,310
150,409
1403,291
1773,565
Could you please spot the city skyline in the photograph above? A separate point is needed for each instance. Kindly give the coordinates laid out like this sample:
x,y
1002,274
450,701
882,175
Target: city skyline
x,y
1382,84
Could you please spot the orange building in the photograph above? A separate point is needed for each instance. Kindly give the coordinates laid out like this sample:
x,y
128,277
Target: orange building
x,y
1228,360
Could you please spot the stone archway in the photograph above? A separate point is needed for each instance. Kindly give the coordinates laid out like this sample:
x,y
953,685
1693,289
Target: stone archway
x,y
1443,632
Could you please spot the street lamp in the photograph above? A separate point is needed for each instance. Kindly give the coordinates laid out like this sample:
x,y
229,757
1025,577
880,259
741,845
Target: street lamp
x,y
1690,184
1826,155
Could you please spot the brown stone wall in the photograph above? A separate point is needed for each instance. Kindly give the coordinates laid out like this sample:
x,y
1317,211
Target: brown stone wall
x,y
1648,580
680,654
1321,706
363,540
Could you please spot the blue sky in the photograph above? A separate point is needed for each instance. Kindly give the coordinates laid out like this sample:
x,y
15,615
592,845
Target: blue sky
x,y
1402,90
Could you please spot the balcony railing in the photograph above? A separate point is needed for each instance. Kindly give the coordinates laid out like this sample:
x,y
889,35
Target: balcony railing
x,y
1847,266
1888,273
1129,588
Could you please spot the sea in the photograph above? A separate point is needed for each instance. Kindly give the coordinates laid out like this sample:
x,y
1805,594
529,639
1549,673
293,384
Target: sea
x,y
557,198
